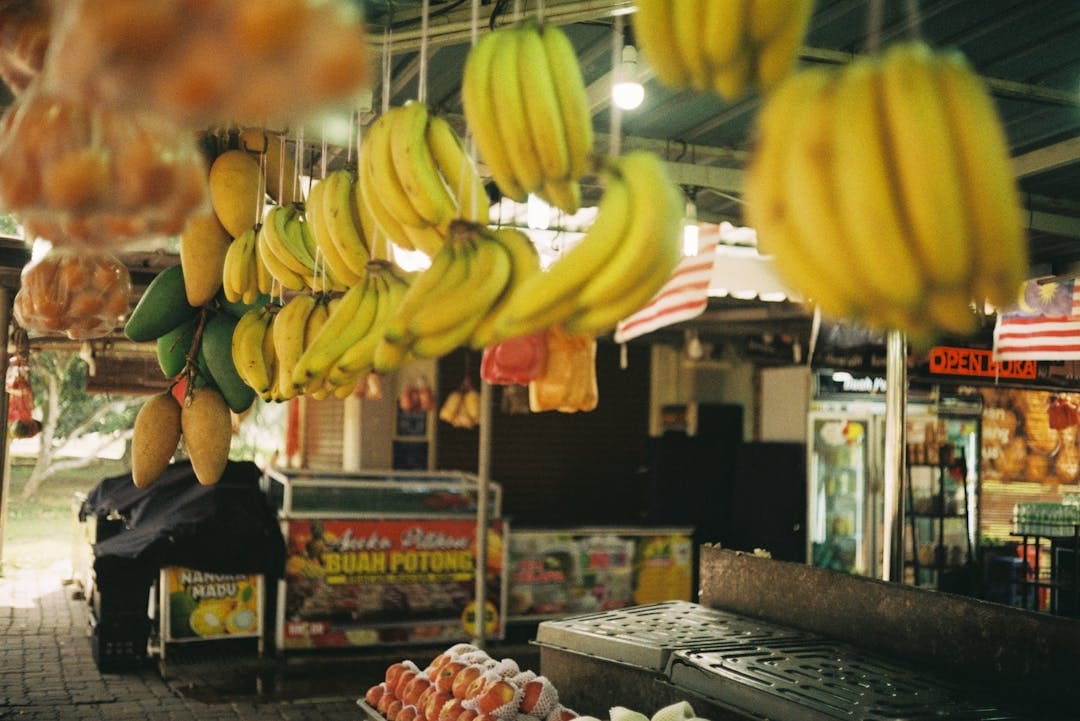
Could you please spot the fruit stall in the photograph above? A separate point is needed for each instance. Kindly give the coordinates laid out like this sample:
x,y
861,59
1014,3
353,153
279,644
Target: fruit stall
x,y
327,240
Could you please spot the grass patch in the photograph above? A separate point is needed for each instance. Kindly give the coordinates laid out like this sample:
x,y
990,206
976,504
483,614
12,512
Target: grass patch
x,y
38,534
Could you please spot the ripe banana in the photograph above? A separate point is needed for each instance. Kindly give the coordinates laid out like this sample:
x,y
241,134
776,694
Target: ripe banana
x,y
316,221
448,322
478,97
777,55
289,331
346,322
654,30
529,308
366,196
358,358
573,103
652,246
415,164
420,290
238,273
270,362
511,116
524,263
457,168
278,270
341,221
540,101
866,203
987,182
689,29
377,159
247,349
924,165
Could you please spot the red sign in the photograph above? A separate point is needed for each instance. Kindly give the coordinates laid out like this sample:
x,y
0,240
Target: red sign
x,y
360,582
972,362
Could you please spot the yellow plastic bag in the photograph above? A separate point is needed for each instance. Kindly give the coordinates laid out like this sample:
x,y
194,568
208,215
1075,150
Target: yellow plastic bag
x,y
568,383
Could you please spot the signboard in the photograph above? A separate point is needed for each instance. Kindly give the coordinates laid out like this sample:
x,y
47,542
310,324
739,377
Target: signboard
x,y
564,572
946,360
204,606
367,581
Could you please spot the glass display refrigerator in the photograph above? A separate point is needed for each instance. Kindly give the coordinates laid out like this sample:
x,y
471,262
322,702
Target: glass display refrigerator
x,y
845,466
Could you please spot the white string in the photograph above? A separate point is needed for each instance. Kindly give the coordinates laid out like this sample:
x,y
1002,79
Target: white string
x,y
421,89
386,69
614,112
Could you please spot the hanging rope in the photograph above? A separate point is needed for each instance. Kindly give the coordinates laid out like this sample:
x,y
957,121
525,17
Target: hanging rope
x,y
421,89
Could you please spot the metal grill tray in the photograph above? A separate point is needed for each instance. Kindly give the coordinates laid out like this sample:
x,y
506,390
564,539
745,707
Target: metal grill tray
x,y
647,636
819,680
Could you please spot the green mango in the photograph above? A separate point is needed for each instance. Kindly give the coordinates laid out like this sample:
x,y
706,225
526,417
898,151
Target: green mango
x,y
216,351
162,307
173,347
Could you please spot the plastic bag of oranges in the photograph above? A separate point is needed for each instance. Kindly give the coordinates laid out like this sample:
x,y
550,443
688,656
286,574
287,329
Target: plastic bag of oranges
x,y
79,174
78,294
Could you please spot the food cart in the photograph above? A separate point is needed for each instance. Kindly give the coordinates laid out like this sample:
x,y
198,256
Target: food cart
x,y
384,557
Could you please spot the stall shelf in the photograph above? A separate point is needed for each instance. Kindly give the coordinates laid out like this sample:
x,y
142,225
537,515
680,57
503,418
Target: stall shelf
x,y
385,557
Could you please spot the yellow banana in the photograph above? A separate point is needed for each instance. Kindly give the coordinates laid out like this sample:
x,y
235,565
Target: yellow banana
x,y
456,275
236,272
653,29
377,159
461,308
991,201
778,55
511,116
426,240
247,349
573,103
458,169
652,245
726,25
342,222
282,240
810,198
251,267
301,246
415,165
420,291
689,27
390,356
928,182
598,319
524,263
316,221
562,194
279,271
478,98
732,80
868,206
270,363
357,358
540,101
533,300
346,322
765,18
264,280
366,194
289,331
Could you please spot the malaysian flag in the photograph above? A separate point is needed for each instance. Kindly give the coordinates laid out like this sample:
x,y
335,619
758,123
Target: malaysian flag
x,y
684,296
1043,325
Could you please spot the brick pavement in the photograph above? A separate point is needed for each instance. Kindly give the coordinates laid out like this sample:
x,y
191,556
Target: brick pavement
x,y
47,670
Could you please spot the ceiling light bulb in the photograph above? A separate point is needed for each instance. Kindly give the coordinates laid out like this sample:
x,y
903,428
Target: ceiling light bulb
x,y
627,92
690,230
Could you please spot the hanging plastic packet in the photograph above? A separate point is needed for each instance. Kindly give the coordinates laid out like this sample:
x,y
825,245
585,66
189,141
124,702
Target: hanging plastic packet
x,y
78,294
514,361
568,383
208,62
79,174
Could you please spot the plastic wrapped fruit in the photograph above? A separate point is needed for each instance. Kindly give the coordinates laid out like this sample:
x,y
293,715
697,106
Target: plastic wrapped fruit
x,y
205,62
24,38
81,295
76,173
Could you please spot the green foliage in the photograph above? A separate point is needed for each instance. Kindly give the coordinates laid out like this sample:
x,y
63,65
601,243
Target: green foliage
x,y
74,405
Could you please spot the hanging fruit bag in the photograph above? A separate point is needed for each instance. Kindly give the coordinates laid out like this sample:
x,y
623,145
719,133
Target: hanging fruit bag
x,y
568,383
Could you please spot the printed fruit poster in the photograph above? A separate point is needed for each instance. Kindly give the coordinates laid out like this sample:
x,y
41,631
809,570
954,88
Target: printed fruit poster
x,y
211,605
365,582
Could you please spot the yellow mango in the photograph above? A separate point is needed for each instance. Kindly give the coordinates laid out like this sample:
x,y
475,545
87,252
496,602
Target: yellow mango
x,y
236,191
203,246
156,433
207,428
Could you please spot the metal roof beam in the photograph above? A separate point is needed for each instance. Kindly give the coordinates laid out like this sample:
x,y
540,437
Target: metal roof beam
x,y
1047,158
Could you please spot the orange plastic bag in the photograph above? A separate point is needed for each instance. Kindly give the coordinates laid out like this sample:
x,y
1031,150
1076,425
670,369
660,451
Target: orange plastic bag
x,y
568,383
78,294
